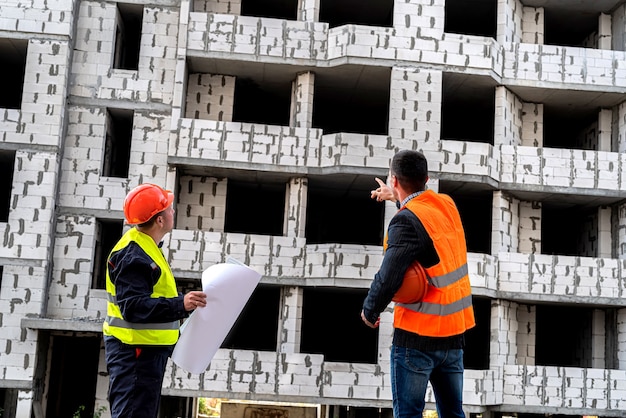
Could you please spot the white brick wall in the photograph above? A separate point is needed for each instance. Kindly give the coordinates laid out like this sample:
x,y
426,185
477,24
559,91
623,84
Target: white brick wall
x,y
418,51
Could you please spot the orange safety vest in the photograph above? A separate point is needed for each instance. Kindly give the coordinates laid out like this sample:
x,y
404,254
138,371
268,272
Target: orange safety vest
x,y
446,309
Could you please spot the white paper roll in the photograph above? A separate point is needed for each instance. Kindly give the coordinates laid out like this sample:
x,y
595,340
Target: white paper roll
x,y
228,287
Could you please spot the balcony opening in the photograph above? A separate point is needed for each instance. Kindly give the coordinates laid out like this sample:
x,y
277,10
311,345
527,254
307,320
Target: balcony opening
x,y
108,232
569,229
352,99
571,26
262,101
119,135
478,339
346,12
326,194
255,207
256,327
471,18
72,384
570,126
564,336
475,205
7,166
127,36
338,333
468,108
277,9
12,71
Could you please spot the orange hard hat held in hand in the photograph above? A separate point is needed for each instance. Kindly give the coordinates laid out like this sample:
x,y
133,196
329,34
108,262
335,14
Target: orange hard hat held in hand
x,y
414,285
145,201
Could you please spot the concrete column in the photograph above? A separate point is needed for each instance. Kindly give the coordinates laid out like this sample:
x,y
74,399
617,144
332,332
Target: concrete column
x,y
620,128
526,335
295,207
605,121
530,227
505,223
621,339
415,114
598,338
618,29
420,19
605,235
533,25
302,100
604,32
290,322
309,10
508,125
504,330
621,232
509,21
532,125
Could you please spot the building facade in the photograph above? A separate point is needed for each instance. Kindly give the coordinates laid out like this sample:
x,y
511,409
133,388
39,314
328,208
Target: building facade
x,y
270,119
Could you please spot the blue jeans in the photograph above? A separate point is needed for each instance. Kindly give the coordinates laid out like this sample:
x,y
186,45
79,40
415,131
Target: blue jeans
x,y
411,370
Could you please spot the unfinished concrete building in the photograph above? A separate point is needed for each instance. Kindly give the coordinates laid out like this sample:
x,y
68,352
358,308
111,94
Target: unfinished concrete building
x,y
270,120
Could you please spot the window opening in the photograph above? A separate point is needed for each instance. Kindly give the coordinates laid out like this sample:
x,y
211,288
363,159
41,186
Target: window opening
x,y
119,132
571,27
343,336
277,9
467,108
477,339
256,327
12,72
478,17
255,207
363,226
475,207
352,99
7,166
564,336
569,229
108,232
72,384
346,12
128,36
262,102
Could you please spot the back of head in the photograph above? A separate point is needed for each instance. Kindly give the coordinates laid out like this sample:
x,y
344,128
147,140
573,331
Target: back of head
x,y
411,169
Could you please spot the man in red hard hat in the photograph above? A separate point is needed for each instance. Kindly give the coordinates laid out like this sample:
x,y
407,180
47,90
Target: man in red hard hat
x,y
144,307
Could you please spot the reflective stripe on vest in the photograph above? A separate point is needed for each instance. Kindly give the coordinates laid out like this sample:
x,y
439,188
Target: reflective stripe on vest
x,y
446,309
438,309
449,278
142,333
120,323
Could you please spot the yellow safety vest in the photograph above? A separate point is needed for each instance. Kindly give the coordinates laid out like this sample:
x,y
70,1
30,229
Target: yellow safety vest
x,y
446,309
132,333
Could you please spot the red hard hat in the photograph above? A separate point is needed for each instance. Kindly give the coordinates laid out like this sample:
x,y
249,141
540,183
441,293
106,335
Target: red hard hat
x,y
145,201
414,285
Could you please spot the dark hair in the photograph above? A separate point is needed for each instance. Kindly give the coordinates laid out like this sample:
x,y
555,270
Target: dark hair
x,y
151,221
411,170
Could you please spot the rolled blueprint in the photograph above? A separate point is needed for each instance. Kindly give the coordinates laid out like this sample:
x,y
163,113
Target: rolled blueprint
x,y
228,287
